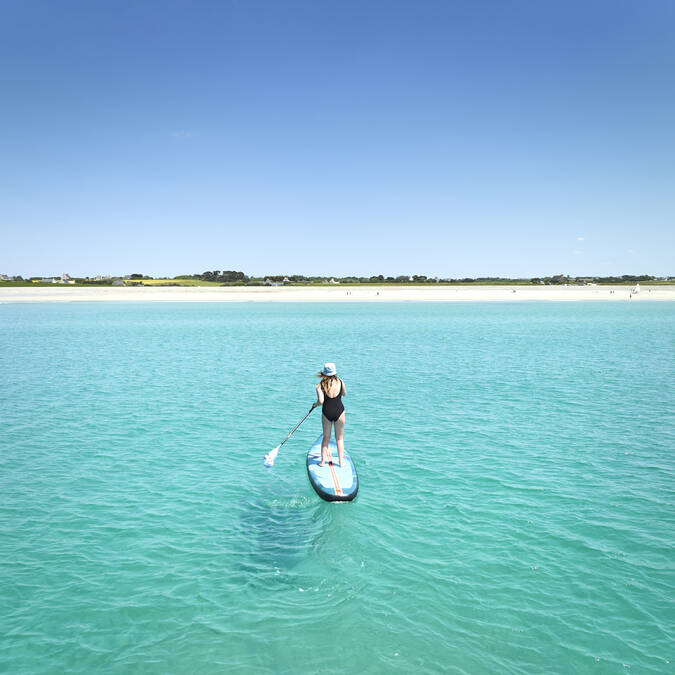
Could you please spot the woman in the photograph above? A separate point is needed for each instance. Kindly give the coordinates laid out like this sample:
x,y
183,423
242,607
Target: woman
x,y
329,393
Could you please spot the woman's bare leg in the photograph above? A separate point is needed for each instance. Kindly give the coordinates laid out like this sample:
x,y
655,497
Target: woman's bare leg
x,y
339,432
325,449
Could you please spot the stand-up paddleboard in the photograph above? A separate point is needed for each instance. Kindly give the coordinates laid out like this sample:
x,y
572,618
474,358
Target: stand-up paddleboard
x,y
332,482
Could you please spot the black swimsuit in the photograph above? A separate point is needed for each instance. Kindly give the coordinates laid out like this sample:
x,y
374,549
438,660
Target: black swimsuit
x,y
333,407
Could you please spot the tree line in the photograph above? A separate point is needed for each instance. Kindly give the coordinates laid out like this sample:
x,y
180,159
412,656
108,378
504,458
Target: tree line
x,y
240,278
237,278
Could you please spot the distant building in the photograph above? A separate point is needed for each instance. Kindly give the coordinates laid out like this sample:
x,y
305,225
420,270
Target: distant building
x,y
118,282
4,277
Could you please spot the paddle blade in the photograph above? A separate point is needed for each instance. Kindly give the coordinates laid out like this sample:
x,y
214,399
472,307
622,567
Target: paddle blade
x,y
270,457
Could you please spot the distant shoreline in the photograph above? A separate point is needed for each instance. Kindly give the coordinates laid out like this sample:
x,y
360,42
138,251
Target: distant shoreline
x,y
367,293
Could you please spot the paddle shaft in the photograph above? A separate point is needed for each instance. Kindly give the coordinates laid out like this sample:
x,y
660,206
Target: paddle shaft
x,y
297,425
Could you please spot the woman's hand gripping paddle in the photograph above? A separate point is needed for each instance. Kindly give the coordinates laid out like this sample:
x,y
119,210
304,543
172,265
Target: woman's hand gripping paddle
x,y
268,461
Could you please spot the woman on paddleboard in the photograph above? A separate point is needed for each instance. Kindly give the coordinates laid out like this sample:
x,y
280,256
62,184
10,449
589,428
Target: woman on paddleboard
x,y
329,393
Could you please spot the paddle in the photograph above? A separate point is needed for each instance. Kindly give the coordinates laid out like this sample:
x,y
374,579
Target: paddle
x,y
268,461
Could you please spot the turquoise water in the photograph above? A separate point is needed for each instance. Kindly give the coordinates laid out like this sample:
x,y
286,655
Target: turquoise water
x,y
515,513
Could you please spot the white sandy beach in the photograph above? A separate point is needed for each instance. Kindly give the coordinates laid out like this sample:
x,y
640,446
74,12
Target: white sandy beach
x,y
334,294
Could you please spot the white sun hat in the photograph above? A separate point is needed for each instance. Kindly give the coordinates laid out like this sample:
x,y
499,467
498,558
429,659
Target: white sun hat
x,y
329,370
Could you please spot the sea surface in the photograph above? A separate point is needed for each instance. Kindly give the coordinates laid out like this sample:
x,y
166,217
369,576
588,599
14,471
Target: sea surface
x,y
515,514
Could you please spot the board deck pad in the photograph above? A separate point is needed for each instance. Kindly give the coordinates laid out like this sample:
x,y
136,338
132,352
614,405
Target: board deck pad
x,y
332,482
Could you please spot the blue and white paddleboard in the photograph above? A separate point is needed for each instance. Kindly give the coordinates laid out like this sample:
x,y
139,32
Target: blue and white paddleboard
x,y
332,482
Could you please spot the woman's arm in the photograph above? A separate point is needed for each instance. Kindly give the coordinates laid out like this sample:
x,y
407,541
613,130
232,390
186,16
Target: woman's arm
x,y
344,389
319,395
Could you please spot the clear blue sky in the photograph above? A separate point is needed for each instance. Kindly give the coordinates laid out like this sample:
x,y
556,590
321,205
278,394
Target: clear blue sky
x,y
335,137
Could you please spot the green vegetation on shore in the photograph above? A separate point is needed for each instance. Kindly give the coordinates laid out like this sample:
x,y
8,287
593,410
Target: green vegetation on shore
x,y
234,278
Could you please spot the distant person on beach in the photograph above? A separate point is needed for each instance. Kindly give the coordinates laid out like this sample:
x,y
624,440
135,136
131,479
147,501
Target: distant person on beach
x,y
329,393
